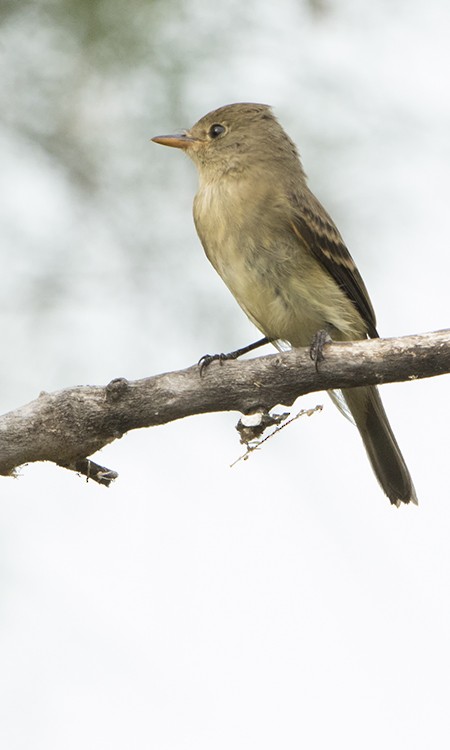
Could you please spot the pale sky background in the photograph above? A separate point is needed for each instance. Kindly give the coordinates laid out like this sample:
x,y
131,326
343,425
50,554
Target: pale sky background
x,y
282,603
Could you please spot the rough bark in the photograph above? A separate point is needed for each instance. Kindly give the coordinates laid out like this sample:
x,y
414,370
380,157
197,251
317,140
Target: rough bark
x,y
68,426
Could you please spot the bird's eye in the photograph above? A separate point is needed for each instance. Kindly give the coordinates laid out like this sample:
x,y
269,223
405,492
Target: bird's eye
x,y
216,130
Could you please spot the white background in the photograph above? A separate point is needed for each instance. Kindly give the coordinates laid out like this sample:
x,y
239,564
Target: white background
x,y
283,602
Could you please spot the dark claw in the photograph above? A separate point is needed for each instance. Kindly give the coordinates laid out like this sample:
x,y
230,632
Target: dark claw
x,y
206,360
321,338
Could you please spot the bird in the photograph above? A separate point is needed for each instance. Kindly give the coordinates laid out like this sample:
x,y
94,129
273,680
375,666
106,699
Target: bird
x,y
282,257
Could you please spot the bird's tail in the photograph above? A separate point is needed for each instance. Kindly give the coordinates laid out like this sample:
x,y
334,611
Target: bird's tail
x,y
384,454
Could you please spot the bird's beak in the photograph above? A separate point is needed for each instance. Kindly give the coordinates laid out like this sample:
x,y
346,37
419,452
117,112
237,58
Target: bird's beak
x,y
179,140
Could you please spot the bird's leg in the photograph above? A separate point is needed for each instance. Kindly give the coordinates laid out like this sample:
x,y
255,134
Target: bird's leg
x,y
320,338
206,360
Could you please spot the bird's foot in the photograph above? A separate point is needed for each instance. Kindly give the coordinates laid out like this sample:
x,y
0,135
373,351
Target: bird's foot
x,y
206,360
321,338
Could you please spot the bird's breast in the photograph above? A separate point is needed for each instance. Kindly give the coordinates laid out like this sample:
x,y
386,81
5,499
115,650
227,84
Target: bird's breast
x,y
274,278
229,225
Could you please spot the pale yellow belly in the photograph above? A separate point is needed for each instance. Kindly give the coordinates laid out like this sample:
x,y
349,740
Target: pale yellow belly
x,y
289,300
280,285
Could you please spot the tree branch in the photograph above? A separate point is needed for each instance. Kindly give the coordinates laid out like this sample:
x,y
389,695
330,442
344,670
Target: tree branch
x,y
67,426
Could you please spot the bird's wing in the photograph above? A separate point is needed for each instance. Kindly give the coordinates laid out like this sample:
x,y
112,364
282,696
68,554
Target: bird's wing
x,y
316,230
